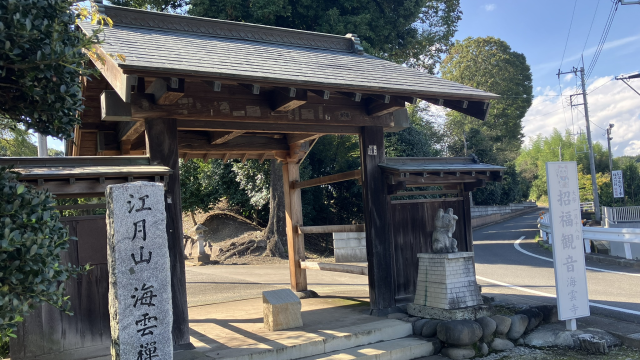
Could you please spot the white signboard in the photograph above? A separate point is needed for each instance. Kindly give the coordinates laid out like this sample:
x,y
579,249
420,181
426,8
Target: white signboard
x,y
568,252
618,185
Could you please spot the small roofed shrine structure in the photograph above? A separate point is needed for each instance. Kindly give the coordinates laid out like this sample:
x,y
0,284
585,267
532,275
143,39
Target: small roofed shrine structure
x,y
211,89
412,213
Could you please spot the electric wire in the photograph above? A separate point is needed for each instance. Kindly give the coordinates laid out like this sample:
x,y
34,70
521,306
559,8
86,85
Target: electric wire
x,y
589,32
603,37
575,3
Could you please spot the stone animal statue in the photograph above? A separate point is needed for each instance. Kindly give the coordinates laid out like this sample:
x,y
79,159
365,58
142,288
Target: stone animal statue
x,y
442,240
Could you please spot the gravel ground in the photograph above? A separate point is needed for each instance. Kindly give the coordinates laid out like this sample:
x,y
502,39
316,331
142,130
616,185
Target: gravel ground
x,y
526,353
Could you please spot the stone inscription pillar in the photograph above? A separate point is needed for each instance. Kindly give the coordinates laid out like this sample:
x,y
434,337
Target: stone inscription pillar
x,y
139,278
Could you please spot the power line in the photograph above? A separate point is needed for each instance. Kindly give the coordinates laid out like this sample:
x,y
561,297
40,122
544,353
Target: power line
x,y
569,33
603,37
589,33
600,86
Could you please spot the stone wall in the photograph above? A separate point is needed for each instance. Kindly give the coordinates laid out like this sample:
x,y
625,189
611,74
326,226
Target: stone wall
x,y
350,247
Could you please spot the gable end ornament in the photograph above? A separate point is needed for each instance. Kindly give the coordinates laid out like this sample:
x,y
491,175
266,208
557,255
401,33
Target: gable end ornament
x,y
357,46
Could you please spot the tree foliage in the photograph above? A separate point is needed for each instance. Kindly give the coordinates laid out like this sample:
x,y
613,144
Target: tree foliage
x,y
41,60
15,141
489,64
30,246
173,6
532,159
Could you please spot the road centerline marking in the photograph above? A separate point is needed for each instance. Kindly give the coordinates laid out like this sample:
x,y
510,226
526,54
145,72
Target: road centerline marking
x,y
519,248
553,296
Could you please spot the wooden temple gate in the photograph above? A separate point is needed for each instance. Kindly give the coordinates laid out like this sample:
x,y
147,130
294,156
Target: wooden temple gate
x,y
211,89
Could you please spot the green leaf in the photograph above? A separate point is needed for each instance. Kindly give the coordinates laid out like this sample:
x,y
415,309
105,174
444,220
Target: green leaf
x,y
20,189
33,250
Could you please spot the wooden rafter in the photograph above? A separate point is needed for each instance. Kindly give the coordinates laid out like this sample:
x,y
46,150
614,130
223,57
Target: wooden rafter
x,y
220,137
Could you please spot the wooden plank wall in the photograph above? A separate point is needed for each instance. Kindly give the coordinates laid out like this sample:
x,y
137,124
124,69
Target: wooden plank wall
x,y
48,333
412,225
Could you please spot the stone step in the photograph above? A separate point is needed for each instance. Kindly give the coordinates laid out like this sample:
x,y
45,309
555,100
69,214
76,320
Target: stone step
x,y
322,342
399,349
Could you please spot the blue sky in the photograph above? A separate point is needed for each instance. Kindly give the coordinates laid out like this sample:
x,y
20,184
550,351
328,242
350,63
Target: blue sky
x,y
539,29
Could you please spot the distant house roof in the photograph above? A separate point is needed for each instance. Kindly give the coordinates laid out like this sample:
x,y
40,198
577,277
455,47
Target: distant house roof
x,y
168,43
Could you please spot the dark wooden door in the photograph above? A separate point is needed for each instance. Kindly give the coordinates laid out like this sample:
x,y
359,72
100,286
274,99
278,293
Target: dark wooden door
x,y
412,225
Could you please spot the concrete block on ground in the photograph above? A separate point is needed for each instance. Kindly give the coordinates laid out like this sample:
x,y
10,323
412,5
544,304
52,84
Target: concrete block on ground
x,y
282,310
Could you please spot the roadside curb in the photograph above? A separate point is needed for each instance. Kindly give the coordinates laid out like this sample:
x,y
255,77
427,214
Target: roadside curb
x,y
508,217
628,340
610,260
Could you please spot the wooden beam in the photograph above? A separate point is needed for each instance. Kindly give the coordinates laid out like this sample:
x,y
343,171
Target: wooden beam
x,y
244,158
254,88
357,97
324,94
285,99
207,125
200,107
379,108
226,157
295,240
425,200
162,147
220,137
379,242
264,156
301,137
476,109
327,229
166,91
113,108
119,81
198,143
433,192
350,175
343,268
128,131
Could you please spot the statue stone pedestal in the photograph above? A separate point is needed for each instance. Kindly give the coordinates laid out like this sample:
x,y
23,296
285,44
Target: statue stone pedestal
x,y
447,288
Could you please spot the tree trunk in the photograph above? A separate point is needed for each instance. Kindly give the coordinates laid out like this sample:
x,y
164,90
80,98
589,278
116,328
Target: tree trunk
x,y
276,232
193,218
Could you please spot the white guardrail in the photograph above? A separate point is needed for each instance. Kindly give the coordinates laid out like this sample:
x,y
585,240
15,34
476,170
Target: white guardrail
x,y
622,235
622,214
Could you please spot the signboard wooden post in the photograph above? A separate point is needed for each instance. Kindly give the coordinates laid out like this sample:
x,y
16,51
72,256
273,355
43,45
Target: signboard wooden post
x,y
618,184
568,253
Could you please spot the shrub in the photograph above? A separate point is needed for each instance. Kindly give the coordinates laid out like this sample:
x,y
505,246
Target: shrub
x,y
30,244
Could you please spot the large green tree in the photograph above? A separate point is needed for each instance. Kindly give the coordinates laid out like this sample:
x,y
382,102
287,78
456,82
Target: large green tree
x,y
42,59
489,64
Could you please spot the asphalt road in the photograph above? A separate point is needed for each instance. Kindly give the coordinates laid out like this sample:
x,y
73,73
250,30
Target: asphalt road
x,y
500,266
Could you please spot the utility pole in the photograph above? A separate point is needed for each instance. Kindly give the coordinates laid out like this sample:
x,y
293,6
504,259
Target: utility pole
x,y
609,138
592,163
560,153
42,145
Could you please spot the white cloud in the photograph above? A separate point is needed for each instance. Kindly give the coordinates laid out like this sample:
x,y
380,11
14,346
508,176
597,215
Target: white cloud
x,y
567,77
489,7
610,101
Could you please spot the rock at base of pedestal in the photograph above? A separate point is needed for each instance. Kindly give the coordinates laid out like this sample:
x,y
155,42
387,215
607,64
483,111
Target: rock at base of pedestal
x,y
282,310
468,313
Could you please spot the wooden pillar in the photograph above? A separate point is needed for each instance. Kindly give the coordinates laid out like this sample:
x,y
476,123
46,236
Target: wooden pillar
x,y
295,240
467,220
162,147
380,254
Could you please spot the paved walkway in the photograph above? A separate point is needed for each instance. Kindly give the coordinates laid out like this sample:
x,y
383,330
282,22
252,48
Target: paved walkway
x,y
221,283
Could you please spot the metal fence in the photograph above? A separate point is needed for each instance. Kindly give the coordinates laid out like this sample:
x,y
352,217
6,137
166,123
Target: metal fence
x,y
622,214
620,235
